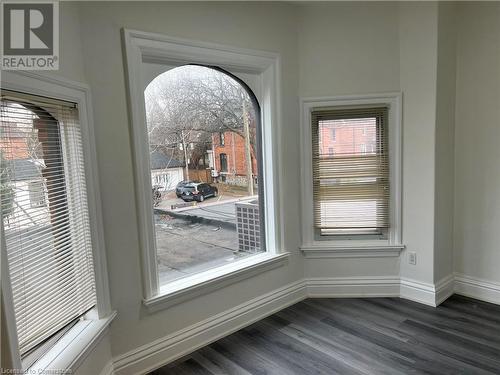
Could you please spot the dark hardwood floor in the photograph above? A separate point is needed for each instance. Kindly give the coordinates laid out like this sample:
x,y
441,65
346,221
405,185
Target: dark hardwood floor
x,y
358,336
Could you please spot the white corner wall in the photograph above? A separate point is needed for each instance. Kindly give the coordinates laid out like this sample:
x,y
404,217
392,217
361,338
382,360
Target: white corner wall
x,y
477,150
445,142
418,24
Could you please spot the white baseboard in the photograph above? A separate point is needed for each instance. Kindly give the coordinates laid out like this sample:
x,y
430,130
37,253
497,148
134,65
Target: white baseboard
x,y
481,289
426,293
417,291
345,287
167,349
444,289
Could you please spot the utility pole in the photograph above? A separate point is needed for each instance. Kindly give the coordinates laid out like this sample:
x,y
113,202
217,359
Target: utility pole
x,y
248,155
186,164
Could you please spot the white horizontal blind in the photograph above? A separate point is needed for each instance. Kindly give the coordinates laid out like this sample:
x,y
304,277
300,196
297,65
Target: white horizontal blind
x,y
45,215
350,170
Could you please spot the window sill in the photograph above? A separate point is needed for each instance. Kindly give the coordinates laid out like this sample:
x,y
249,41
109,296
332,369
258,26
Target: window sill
x,y
351,250
205,282
69,352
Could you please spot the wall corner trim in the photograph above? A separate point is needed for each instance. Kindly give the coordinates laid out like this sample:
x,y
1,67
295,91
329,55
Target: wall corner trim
x,y
426,293
418,291
444,289
484,290
108,369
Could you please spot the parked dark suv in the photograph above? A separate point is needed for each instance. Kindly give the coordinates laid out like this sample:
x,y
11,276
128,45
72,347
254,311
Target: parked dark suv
x,y
198,192
180,186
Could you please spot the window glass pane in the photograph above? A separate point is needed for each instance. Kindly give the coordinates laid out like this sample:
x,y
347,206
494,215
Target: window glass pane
x,y
207,208
348,136
223,162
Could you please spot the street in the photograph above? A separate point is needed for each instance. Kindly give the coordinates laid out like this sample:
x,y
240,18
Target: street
x,y
197,238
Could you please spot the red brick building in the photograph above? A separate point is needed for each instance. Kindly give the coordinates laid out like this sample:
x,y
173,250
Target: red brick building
x,y
14,142
228,149
347,137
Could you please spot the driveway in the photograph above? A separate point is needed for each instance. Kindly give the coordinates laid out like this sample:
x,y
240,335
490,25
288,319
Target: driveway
x,y
224,212
196,237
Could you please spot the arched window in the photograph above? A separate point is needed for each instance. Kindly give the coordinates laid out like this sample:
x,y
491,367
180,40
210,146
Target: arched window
x,y
258,141
219,116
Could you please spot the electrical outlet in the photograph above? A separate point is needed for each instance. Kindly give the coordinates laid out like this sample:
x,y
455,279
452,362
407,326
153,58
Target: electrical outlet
x,y
412,257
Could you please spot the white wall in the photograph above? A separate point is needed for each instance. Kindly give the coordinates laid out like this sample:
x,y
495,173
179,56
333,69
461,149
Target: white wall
x,y
477,150
70,48
348,49
418,70
267,27
445,139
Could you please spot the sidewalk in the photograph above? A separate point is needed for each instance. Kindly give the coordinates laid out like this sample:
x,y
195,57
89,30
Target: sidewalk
x,y
225,195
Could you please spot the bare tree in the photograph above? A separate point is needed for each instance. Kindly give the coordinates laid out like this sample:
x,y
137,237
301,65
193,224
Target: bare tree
x,y
187,105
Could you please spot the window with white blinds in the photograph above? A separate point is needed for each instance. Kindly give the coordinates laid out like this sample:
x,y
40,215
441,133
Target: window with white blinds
x,y
350,171
44,215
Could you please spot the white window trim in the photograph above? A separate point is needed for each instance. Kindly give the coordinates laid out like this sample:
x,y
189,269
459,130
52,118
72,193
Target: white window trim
x,y
102,315
72,349
205,282
356,247
158,48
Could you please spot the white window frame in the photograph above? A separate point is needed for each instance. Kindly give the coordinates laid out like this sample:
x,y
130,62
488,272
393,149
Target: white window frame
x,y
143,47
355,246
74,346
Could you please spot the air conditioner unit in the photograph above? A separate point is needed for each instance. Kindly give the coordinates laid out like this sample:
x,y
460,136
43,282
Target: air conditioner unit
x,y
248,226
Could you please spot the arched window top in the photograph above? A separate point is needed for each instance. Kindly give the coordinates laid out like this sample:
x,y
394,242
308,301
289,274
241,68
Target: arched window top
x,y
24,113
204,73
198,98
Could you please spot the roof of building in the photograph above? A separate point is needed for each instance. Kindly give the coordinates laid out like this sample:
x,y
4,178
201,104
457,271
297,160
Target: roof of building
x,y
24,169
161,161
